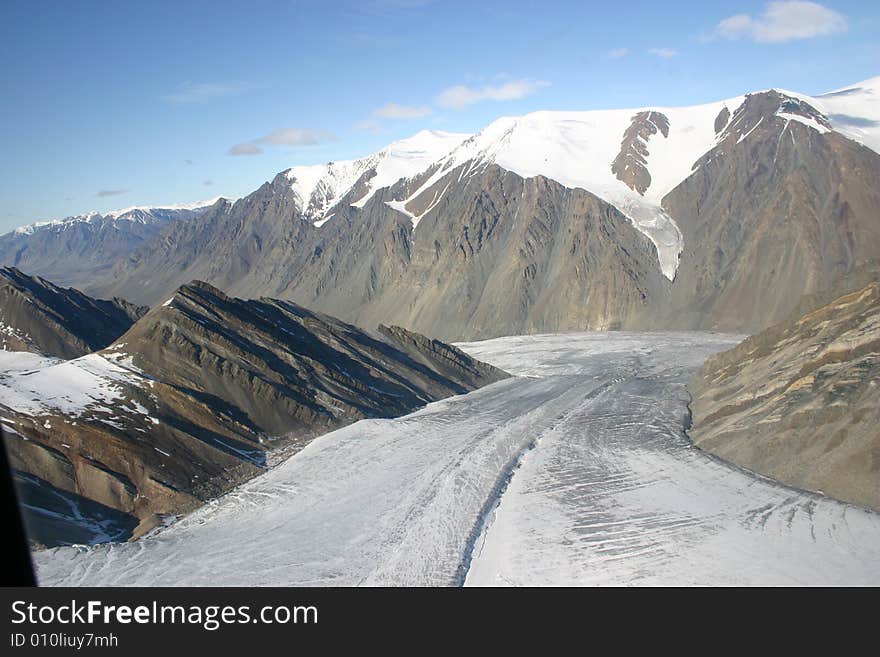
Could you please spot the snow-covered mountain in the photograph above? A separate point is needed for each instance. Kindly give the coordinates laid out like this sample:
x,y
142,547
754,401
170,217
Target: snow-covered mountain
x,y
139,214
719,215
318,188
632,158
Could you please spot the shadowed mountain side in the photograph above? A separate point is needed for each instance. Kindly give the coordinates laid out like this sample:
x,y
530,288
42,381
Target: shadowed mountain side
x,y
38,316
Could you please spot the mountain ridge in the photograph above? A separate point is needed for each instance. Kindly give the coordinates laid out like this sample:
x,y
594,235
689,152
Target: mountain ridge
x,y
350,249
200,394
40,317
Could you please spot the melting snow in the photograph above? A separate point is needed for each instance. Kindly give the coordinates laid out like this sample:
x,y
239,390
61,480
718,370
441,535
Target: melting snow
x,y
70,387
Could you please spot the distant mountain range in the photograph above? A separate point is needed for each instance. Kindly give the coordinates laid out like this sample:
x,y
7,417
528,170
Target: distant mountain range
x,y
77,249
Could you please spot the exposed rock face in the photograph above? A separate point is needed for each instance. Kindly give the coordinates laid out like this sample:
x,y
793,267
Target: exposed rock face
x,y
629,165
446,359
78,251
495,253
290,370
800,401
38,316
777,210
721,120
193,398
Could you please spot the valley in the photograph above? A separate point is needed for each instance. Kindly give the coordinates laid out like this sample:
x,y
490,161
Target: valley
x,y
577,471
668,330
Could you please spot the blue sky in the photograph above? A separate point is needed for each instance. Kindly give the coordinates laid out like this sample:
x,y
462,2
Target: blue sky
x,y
111,104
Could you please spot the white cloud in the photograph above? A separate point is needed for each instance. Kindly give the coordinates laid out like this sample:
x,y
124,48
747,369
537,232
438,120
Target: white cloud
x,y
456,97
395,111
245,149
782,21
665,53
190,92
112,192
296,137
368,124
461,96
392,111
283,137
618,53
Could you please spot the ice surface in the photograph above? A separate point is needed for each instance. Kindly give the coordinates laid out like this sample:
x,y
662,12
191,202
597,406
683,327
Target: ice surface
x,y
616,495
575,472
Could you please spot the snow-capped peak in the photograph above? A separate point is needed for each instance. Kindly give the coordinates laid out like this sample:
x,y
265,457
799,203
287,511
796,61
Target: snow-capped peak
x,y
577,149
319,187
197,205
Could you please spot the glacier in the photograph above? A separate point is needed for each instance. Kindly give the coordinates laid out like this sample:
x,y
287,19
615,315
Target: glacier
x,y
575,472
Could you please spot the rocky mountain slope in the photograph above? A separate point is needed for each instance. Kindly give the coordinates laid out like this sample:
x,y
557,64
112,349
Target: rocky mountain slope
x,y
77,250
195,397
522,256
714,216
800,401
38,316
781,207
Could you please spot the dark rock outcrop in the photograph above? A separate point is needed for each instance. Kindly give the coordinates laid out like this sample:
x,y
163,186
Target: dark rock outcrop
x,y
721,120
38,316
630,164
